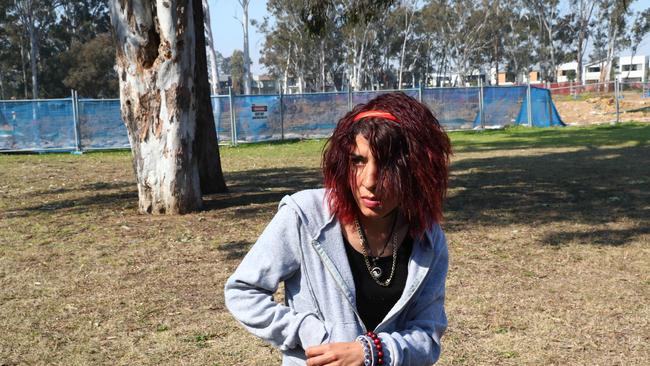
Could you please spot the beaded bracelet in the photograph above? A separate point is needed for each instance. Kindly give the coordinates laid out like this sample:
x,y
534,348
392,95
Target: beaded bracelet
x,y
368,356
376,341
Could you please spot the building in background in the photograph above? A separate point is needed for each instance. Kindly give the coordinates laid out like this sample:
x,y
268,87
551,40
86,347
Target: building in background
x,y
264,84
632,69
510,78
224,83
592,70
626,69
567,72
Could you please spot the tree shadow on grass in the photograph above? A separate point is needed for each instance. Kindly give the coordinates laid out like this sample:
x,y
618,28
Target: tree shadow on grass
x,y
263,186
114,201
611,237
591,186
235,250
526,138
96,186
257,186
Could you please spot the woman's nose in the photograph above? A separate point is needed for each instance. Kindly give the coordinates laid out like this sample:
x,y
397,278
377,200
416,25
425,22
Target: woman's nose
x,y
370,176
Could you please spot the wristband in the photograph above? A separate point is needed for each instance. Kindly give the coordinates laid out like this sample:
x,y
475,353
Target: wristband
x,y
368,356
376,342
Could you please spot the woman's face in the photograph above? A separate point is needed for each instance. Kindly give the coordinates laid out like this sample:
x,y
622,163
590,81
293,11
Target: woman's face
x,y
364,166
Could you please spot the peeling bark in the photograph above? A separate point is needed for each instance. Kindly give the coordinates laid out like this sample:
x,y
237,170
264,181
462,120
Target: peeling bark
x,y
156,45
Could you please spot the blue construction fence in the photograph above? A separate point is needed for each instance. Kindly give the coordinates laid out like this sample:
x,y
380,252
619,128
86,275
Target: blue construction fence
x,y
72,124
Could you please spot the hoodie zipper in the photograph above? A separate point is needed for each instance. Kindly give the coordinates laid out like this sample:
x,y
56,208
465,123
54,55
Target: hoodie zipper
x,y
340,287
406,302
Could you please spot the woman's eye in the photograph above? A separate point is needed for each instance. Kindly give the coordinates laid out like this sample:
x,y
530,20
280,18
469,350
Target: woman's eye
x,y
357,161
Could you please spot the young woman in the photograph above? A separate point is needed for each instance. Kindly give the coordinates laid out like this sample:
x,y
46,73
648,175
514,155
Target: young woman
x,y
363,260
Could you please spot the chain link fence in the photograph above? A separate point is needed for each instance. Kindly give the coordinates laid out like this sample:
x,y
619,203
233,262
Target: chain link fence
x,y
74,124
600,103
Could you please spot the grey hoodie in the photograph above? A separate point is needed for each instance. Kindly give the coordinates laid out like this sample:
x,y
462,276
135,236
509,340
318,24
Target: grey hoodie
x,y
303,246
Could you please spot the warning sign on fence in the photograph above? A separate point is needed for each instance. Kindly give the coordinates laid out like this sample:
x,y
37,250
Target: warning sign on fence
x,y
259,111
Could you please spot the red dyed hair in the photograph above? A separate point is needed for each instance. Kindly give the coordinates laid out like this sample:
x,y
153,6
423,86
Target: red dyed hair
x,y
412,154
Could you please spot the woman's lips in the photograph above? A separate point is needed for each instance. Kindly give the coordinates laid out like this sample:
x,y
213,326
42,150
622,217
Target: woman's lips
x,y
370,202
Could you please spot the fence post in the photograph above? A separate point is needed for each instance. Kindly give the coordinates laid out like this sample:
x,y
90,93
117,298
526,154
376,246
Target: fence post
x,y
480,104
349,97
420,89
549,105
233,124
281,113
617,95
217,106
75,119
529,109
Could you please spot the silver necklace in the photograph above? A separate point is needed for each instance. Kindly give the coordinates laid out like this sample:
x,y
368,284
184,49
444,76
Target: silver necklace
x,y
374,270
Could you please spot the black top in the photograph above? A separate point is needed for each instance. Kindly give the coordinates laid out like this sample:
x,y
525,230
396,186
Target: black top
x,y
375,301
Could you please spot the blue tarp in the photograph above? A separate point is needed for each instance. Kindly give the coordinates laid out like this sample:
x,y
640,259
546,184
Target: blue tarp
x,y
49,124
543,111
37,125
503,106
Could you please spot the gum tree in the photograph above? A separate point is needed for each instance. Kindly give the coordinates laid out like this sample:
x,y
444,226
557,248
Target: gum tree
x,y
164,98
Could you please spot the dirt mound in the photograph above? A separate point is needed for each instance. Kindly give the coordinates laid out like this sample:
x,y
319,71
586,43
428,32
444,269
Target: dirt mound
x,y
602,109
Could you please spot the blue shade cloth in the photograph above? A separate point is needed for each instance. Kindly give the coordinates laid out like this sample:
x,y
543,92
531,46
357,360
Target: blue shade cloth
x,y
313,115
506,106
365,96
221,112
37,125
49,124
455,108
543,111
257,117
501,106
100,124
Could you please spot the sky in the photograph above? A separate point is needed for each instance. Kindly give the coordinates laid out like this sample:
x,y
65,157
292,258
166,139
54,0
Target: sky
x,y
227,30
228,34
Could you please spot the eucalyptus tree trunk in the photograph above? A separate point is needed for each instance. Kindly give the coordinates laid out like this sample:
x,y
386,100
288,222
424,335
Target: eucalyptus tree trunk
x,y
2,87
583,10
408,20
206,144
247,59
214,69
285,81
160,99
322,64
33,60
26,9
22,64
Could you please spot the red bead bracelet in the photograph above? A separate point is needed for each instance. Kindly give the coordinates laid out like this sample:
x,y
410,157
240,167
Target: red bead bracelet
x,y
377,341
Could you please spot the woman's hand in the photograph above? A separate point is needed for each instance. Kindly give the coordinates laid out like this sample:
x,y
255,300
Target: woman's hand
x,y
335,354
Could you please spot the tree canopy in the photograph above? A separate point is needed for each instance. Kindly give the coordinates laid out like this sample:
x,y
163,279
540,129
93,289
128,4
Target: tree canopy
x,y
328,45
68,42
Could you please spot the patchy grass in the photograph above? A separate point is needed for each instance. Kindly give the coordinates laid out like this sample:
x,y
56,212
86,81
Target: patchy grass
x,y
549,234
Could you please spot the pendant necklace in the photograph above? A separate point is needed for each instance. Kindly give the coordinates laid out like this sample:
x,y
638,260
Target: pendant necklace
x,y
374,269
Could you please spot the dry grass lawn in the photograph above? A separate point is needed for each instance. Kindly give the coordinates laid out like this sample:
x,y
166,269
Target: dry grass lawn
x,y
549,234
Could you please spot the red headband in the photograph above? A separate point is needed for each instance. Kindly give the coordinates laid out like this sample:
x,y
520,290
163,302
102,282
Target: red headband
x,y
372,113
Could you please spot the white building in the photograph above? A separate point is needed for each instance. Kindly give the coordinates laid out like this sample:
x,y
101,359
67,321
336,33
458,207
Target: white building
x,y
632,69
508,78
437,79
567,72
591,72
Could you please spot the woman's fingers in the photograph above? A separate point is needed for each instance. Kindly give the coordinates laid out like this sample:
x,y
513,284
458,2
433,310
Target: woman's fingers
x,y
321,360
316,350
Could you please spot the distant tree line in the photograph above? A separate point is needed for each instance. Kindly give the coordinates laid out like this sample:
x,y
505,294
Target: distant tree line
x,y
48,47
328,44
